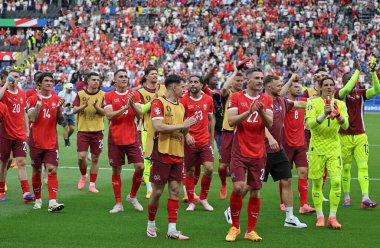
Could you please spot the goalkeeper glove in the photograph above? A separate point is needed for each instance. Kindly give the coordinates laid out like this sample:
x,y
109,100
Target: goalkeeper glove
x,y
335,113
372,64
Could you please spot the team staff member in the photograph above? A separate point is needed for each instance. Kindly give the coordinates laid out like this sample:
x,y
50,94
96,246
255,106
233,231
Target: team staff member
x,y
14,133
87,105
44,111
325,116
165,148
121,107
69,118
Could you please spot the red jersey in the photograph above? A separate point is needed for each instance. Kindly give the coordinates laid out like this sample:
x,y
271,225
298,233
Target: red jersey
x,y
81,86
32,92
200,108
250,134
355,107
280,108
3,111
122,129
158,114
14,121
43,131
294,126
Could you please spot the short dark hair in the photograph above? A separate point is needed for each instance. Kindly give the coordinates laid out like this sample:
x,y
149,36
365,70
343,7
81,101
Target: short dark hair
x,y
324,79
90,74
173,79
43,75
239,74
199,77
149,69
268,79
14,70
120,70
36,75
346,77
142,80
320,69
4,73
252,70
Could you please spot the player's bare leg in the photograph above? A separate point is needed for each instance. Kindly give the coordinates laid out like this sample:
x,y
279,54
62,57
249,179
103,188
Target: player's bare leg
x,y
93,173
23,177
138,177
116,185
82,163
303,189
222,171
287,196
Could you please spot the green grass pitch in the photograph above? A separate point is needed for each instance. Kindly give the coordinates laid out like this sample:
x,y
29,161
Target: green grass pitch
x,y
86,222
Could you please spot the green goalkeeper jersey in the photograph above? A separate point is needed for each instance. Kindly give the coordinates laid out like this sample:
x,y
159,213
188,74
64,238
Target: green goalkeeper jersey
x,y
324,137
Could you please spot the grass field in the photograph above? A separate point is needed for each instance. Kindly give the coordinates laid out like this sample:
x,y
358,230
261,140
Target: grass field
x,y
86,222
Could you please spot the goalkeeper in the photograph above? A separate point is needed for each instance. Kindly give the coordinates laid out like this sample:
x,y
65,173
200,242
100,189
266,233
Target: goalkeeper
x,y
354,140
325,115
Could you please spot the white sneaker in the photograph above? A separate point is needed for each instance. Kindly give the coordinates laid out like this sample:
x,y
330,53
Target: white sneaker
x,y
206,205
55,207
151,231
191,207
37,204
136,204
176,235
117,208
325,199
294,222
227,214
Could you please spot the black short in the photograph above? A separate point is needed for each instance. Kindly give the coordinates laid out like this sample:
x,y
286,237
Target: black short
x,y
278,166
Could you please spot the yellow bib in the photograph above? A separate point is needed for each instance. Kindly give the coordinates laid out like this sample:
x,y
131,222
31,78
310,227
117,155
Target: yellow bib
x,y
89,120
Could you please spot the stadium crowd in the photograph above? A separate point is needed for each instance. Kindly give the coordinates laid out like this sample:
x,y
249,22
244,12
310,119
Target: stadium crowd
x,y
193,37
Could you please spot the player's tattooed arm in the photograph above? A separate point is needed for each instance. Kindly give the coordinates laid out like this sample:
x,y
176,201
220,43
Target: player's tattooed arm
x,y
271,140
59,111
211,127
226,87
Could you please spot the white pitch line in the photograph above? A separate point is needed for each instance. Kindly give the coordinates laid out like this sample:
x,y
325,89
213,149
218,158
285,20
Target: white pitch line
x,y
374,145
215,173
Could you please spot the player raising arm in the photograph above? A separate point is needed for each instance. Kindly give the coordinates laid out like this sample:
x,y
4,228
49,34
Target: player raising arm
x,y
325,115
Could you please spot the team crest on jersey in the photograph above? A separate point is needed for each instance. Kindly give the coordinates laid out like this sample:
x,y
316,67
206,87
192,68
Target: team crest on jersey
x,y
191,107
244,104
116,100
205,106
309,108
157,111
53,104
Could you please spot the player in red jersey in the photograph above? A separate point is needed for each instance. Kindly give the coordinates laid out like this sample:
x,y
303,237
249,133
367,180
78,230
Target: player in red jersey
x,y
234,84
199,141
14,134
165,148
250,112
32,92
295,145
278,165
122,106
44,111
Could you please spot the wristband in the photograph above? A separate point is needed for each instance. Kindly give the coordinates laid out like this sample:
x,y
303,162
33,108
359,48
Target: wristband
x,y
321,118
339,118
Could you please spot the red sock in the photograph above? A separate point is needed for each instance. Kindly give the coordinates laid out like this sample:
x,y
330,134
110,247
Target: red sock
x,y
184,176
280,188
303,190
152,211
25,186
173,206
197,174
236,202
116,184
52,186
253,209
2,187
205,187
190,188
136,182
93,177
83,171
223,175
36,183
324,178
